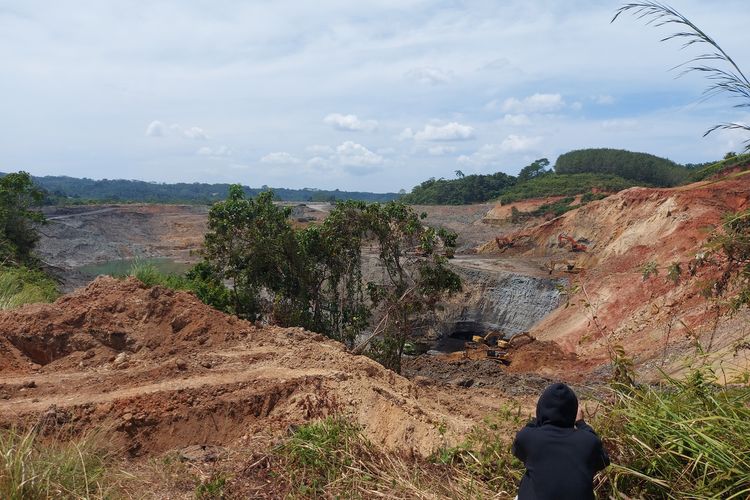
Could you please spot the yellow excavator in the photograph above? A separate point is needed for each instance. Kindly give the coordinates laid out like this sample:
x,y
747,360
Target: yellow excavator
x,y
495,345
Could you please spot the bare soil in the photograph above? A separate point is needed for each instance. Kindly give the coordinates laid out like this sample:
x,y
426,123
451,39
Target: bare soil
x,y
162,370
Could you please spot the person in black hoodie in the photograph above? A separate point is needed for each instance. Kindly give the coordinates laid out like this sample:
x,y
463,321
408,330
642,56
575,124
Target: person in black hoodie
x,y
560,451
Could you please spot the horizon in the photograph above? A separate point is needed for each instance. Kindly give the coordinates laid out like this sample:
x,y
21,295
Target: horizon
x,y
373,98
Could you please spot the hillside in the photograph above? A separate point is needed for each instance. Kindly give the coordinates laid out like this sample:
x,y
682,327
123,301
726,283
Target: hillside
x,y
655,318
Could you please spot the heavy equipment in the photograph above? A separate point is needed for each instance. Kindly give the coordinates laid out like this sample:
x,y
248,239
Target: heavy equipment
x,y
495,345
575,246
505,242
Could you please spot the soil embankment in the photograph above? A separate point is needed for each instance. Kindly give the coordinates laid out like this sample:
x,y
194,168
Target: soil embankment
x,y
164,370
657,319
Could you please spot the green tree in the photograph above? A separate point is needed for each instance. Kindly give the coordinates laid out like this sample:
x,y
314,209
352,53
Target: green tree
x,y
250,243
313,277
18,235
536,169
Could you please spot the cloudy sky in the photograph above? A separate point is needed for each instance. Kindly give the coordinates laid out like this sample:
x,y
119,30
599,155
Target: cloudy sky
x,y
359,95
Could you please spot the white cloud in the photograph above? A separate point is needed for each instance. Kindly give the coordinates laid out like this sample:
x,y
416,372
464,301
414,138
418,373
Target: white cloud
x,y
280,158
319,162
515,143
452,131
441,150
430,75
351,154
319,150
194,133
516,120
537,103
350,122
490,154
217,151
155,129
406,134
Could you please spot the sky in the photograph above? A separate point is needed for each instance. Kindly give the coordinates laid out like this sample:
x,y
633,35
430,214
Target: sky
x,y
355,95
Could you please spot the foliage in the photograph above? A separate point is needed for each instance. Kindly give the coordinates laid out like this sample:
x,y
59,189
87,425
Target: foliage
x,y
564,185
18,196
70,190
641,168
486,452
535,169
333,459
684,439
738,162
313,276
250,243
725,76
211,488
729,248
21,285
32,469
648,269
460,191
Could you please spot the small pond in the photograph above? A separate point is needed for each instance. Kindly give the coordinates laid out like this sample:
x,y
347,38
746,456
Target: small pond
x,y
122,267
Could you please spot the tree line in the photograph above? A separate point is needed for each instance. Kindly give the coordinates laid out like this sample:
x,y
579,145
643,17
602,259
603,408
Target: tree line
x,y
576,172
59,190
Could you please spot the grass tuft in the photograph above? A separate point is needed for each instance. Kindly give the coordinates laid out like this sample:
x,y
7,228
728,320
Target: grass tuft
x,y
70,469
21,285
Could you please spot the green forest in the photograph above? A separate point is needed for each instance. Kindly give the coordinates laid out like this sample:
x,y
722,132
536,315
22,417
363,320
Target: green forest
x,y
60,190
576,172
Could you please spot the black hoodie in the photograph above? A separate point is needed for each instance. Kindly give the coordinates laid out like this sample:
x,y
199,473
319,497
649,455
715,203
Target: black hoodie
x,y
561,455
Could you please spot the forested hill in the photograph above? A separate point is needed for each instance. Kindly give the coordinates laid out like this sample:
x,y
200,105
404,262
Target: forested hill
x,y
576,172
63,189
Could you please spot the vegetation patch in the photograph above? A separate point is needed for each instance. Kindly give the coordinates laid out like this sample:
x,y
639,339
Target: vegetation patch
x,y
30,468
21,285
565,185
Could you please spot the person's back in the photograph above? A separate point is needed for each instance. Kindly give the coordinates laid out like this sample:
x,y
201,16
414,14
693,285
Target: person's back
x,y
561,454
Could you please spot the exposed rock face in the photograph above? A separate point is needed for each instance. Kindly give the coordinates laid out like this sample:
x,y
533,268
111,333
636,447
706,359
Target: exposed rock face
x,y
498,301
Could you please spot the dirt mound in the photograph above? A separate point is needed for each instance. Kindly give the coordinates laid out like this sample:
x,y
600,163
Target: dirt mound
x,y
163,370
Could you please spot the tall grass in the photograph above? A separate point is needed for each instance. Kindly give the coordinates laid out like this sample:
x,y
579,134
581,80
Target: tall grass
x,y
30,469
685,439
20,285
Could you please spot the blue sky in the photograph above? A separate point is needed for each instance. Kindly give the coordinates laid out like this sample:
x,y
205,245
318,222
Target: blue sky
x,y
375,96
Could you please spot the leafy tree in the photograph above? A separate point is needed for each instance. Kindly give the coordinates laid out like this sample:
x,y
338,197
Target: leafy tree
x,y
313,277
460,174
536,169
725,76
18,195
250,243
460,191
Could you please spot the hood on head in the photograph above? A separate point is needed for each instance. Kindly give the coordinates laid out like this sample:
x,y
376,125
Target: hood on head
x,y
557,406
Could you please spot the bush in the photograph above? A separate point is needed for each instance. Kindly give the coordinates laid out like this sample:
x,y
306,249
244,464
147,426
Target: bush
x,y
21,285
